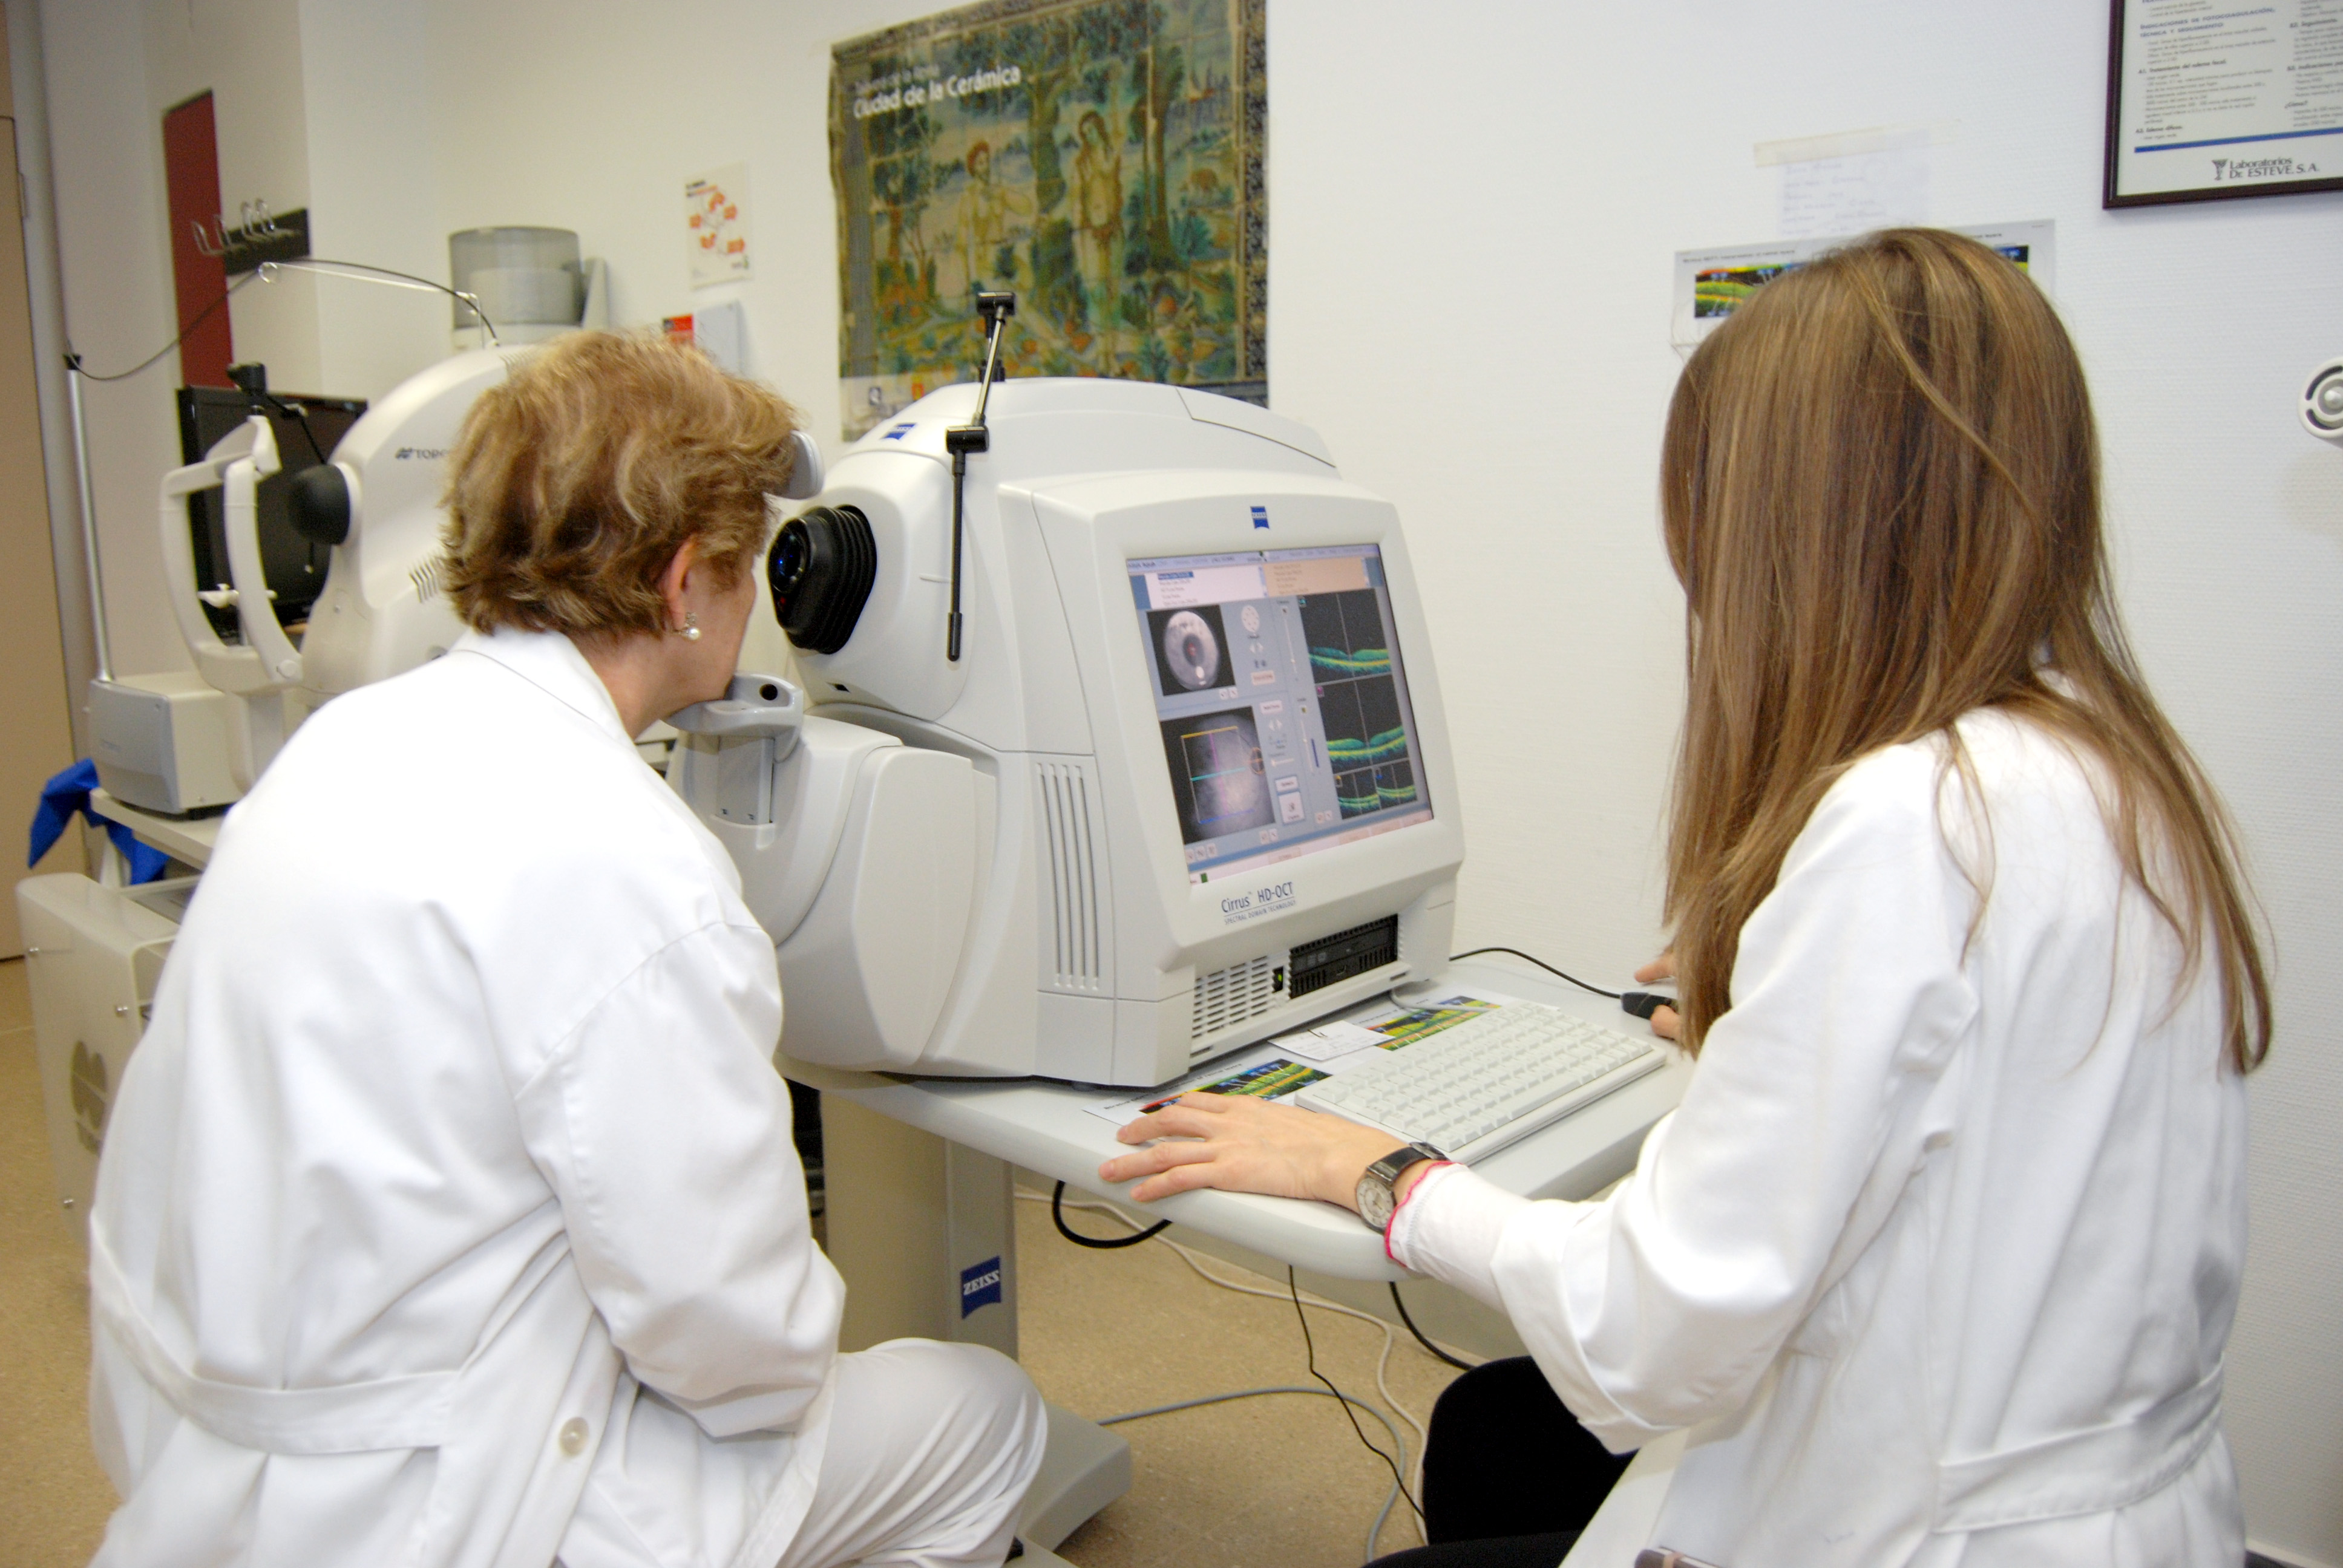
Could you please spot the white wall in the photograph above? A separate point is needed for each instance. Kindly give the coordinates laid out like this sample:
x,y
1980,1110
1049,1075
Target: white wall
x,y
106,152
365,73
247,54
1473,211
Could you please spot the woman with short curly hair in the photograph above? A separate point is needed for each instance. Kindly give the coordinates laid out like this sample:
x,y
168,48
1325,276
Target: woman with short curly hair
x,y
577,482
452,1215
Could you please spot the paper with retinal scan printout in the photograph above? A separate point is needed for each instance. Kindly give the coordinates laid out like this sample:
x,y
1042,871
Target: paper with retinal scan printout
x,y
1275,1068
1710,283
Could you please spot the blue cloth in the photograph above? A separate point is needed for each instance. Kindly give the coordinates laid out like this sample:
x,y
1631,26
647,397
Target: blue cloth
x,y
68,793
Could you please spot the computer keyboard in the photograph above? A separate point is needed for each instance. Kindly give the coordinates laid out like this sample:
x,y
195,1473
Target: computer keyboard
x,y
1475,1087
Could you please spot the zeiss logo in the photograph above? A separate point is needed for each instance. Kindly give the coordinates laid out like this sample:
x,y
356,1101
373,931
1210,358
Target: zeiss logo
x,y
979,1286
899,432
1261,517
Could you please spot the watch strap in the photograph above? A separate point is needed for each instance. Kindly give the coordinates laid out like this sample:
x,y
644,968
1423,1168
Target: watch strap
x,y
1393,1165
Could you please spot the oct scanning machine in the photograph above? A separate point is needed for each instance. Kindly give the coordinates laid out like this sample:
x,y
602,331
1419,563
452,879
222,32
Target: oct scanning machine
x,y
1186,784
1115,743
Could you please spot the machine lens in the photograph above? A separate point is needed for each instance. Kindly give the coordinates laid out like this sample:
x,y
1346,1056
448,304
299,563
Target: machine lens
x,y
820,570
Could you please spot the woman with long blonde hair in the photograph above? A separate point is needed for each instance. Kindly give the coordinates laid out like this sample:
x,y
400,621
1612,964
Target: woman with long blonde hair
x,y
1938,1258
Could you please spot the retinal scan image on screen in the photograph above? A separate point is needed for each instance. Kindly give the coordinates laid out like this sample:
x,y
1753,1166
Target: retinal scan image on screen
x,y
1283,702
1216,773
1188,644
1366,739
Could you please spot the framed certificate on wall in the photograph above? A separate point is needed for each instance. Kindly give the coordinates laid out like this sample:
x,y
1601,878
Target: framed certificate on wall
x,y
2214,99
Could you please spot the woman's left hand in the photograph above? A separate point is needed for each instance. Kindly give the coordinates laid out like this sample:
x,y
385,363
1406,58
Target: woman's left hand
x,y
1241,1144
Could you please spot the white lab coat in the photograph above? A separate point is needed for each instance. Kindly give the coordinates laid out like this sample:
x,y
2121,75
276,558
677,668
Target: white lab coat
x,y
453,1173
1939,1256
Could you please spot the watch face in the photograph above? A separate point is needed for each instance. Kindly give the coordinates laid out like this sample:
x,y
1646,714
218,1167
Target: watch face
x,y
1377,1202
1375,1205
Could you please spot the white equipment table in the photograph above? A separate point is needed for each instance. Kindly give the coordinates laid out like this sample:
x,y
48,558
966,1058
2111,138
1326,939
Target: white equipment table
x,y
1047,1129
187,840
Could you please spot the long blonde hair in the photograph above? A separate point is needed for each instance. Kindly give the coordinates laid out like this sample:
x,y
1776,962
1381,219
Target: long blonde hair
x,y
1880,488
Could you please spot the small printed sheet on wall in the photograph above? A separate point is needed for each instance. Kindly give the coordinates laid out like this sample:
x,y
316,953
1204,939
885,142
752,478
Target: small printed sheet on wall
x,y
716,226
1101,158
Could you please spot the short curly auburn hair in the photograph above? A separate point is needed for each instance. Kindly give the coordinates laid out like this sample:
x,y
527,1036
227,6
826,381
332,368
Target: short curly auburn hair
x,y
575,480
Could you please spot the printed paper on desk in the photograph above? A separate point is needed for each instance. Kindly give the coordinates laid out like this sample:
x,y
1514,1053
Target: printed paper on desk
x,y
1273,1078
1330,1040
1412,1025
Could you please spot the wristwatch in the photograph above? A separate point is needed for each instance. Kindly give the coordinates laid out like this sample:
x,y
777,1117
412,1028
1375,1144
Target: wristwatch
x,y
1377,1202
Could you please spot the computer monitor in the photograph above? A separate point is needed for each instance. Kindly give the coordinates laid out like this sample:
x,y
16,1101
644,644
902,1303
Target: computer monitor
x,y
1187,785
1282,699
294,566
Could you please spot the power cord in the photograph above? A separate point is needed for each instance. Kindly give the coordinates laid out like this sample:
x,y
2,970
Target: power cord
x,y
1310,1355
1102,1243
1436,1352
1382,1361
1390,1498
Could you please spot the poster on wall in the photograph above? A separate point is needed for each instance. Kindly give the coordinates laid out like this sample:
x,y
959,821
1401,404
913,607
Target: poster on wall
x,y
1102,158
2212,101
716,226
1712,284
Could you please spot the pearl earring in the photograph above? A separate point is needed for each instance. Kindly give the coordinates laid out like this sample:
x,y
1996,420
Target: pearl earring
x,y
690,630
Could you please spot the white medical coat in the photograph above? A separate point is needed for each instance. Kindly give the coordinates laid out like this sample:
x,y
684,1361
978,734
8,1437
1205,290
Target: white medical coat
x,y
1939,1256
449,1211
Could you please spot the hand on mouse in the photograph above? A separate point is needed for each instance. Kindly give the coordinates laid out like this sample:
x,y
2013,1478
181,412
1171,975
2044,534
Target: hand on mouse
x,y
1663,1020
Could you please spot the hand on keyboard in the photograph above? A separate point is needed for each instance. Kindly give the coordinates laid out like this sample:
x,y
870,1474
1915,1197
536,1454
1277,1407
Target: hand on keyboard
x,y
1476,1086
1241,1144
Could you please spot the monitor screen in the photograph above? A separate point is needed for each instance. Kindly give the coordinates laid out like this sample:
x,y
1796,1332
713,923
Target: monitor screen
x,y
1283,700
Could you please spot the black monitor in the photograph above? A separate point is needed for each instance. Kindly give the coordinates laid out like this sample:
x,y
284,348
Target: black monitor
x,y
294,568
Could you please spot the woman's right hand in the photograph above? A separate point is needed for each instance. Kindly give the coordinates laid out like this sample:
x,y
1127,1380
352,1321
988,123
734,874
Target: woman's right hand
x,y
1663,1018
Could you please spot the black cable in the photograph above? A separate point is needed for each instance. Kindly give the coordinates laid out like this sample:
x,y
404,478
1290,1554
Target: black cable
x,y
1103,1244
273,404
1309,1354
1434,1350
308,432
1540,963
72,361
